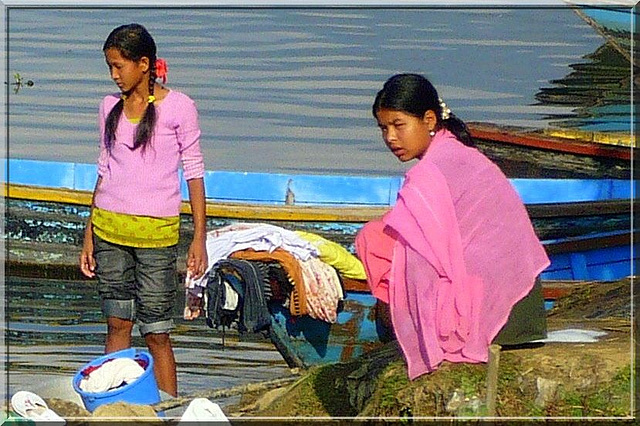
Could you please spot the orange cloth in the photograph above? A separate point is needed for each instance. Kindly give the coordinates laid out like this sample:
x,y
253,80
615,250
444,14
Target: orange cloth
x,y
298,305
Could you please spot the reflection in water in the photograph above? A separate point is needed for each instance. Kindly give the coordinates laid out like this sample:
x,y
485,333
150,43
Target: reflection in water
x,y
599,90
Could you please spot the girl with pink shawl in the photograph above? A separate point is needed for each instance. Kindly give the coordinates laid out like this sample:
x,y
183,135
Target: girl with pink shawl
x,y
458,250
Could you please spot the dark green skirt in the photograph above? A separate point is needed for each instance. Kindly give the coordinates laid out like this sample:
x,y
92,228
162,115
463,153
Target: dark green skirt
x,y
527,321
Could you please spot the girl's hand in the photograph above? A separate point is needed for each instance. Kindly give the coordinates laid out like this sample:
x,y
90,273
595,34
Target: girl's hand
x,y
197,261
87,261
197,255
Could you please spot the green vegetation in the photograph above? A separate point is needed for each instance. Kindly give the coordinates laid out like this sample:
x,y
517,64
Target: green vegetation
x,y
596,399
454,390
568,380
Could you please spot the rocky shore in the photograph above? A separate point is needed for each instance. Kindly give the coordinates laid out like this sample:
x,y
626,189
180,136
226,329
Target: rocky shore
x,y
551,380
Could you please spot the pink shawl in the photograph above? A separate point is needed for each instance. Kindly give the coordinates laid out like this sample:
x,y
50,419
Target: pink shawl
x,y
457,252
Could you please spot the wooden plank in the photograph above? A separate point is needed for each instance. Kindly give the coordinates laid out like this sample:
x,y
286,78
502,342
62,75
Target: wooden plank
x,y
294,213
554,289
352,284
245,211
492,379
610,138
580,208
591,243
528,138
354,214
40,193
555,293
551,289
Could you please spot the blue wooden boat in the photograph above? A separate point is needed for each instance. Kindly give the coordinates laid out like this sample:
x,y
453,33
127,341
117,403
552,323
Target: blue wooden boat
x,y
585,223
304,341
560,209
558,153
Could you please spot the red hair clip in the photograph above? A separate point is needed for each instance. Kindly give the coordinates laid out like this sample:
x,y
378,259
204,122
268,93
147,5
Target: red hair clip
x,y
162,69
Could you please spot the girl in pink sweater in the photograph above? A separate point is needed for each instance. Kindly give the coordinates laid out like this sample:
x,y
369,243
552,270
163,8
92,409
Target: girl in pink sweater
x,y
146,133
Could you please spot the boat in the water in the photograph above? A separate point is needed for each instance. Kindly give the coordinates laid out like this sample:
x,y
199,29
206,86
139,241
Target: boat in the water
x,y
585,225
559,208
555,152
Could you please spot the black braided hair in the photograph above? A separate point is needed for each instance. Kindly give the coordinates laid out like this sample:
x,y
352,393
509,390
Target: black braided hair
x,y
134,42
148,121
414,94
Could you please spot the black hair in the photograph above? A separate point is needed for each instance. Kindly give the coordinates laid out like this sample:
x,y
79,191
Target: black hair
x,y
414,94
134,42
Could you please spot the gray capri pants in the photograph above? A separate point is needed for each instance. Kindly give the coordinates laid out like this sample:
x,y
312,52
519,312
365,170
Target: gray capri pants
x,y
137,284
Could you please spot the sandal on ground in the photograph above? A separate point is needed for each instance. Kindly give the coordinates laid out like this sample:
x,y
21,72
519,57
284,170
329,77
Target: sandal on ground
x,y
31,406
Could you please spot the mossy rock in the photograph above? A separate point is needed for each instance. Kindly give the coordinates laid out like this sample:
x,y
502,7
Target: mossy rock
x,y
573,380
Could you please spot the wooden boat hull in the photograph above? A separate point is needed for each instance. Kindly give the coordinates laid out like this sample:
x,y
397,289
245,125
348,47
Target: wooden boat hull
x,y
528,153
262,195
304,342
601,145
605,257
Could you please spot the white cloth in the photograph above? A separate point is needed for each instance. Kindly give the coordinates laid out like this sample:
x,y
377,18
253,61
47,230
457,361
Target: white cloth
x,y
201,409
573,335
258,236
112,374
230,298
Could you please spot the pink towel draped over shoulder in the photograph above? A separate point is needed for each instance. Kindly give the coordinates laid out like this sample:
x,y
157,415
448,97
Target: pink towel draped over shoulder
x,y
452,257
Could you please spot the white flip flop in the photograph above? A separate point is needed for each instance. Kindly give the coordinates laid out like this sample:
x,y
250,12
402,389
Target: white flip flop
x,y
31,406
203,410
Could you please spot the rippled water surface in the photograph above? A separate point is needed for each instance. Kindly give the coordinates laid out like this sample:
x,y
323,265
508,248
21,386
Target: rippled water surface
x,y
54,327
290,89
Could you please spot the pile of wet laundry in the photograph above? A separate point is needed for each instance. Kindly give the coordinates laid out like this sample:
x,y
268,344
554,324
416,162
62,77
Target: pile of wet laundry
x,y
254,264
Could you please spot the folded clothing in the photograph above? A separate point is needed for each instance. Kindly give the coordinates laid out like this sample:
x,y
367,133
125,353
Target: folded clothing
x,y
335,255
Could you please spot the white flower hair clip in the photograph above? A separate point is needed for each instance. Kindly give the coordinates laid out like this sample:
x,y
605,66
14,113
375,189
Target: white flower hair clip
x,y
445,111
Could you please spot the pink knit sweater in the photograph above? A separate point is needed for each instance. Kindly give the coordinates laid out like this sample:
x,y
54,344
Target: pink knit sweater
x,y
147,183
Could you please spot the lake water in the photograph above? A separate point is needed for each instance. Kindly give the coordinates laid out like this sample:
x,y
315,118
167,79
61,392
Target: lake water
x,y
290,89
54,327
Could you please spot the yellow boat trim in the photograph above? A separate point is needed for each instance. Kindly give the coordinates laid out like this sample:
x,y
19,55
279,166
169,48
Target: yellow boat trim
x,y
357,214
608,138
